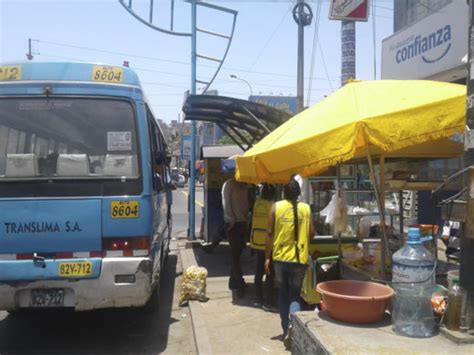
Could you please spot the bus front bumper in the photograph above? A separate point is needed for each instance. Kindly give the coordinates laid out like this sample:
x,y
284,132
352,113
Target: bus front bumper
x,y
123,282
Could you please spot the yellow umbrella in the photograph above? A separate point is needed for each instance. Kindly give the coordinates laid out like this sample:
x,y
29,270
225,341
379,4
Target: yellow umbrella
x,y
393,118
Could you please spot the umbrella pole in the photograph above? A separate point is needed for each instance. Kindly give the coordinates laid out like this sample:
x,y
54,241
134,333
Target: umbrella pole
x,y
338,192
379,204
385,246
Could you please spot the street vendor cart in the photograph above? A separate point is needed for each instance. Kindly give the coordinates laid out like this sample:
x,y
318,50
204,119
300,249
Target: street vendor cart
x,y
375,125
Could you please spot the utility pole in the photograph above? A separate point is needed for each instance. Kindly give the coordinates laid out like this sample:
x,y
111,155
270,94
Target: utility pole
x,y
348,58
192,168
29,55
469,156
303,15
467,242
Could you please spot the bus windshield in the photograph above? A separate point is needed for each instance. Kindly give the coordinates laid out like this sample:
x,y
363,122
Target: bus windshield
x,y
67,138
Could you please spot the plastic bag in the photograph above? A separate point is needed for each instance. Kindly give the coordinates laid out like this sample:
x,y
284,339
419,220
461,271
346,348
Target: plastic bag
x,y
331,211
340,224
194,285
336,213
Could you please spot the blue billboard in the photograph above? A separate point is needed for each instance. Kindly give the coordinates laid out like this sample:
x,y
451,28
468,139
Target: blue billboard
x,y
186,147
282,103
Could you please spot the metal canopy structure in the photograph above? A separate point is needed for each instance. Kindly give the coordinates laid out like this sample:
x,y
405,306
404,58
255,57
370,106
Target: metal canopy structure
x,y
234,116
194,55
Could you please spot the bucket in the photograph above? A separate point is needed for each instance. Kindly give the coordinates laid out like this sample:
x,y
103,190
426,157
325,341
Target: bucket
x,y
453,274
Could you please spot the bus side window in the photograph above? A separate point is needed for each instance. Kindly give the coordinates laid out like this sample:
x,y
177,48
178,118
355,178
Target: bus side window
x,y
157,154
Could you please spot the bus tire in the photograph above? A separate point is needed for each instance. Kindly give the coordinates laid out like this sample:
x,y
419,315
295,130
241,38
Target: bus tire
x,y
153,303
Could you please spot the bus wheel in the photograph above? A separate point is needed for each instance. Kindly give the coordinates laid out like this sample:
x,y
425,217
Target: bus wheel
x,y
153,303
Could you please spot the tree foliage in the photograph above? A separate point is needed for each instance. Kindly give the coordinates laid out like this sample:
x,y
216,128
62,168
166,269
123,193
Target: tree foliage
x,y
228,140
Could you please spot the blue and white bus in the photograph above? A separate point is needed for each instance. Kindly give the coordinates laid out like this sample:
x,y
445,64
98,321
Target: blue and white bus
x,y
83,212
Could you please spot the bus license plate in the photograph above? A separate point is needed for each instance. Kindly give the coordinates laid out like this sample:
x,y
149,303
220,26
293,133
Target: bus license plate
x,y
124,209
80,268
47,298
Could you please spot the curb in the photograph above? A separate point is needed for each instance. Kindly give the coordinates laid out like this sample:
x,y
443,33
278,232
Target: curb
x,y
201,338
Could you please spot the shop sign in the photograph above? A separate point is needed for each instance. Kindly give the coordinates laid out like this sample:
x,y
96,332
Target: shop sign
x,y
350,10
433,45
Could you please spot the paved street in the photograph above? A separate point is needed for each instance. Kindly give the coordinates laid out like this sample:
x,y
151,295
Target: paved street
x,y
111,331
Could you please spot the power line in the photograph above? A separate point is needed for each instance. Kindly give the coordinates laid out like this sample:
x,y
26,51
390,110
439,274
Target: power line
x,y
383,7
166,60
324,65
314,50
185,86
271,37
112,52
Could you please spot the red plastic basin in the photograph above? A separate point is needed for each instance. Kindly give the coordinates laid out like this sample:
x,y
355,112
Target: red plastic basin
x,y
355,301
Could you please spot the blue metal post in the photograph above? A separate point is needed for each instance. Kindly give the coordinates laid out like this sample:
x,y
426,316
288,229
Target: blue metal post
x,y
192,186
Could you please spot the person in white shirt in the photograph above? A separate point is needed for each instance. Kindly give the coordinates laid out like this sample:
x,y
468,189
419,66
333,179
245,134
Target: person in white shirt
x,y
235,203
450,238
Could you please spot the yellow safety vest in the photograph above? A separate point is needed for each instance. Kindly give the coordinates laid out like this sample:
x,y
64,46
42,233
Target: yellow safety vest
x,y
284,246
261,211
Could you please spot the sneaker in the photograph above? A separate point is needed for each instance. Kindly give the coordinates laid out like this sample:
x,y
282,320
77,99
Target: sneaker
x,y
267,307
208,247
287,339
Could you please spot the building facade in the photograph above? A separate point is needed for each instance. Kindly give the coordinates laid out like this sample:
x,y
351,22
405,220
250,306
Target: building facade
x,y
407,12
429,41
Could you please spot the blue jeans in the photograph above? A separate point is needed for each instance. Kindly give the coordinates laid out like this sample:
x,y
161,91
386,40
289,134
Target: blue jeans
x,y
289,280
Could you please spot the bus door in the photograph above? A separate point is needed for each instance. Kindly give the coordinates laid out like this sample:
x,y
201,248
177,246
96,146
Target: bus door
x,y
159,205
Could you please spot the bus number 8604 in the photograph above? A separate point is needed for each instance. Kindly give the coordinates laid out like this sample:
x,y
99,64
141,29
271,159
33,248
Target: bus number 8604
x,y
124,209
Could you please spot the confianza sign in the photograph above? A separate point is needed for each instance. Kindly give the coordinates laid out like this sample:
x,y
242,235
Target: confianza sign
x,y
433,45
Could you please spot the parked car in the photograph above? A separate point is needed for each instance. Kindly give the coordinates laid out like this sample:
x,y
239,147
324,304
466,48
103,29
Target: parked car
x,y
178,179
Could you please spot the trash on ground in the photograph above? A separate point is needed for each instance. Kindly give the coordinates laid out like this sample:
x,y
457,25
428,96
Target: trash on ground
x,y
194,285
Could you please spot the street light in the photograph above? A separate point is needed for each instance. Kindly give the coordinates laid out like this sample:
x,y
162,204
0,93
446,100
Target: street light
x,y
245,81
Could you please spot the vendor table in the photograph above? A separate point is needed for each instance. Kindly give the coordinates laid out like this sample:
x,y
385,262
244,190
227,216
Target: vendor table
x,y
316,333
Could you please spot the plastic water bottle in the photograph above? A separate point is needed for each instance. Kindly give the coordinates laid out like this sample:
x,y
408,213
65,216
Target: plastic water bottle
x,y
453,316
413,278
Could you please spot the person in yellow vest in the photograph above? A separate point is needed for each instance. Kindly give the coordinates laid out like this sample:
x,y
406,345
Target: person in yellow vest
x,y
258,236
290,226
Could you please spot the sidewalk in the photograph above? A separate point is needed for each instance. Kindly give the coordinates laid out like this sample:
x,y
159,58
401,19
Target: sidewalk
x,y
226,323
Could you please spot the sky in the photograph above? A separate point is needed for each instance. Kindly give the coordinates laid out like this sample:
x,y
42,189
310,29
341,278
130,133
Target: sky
x,y
263,50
